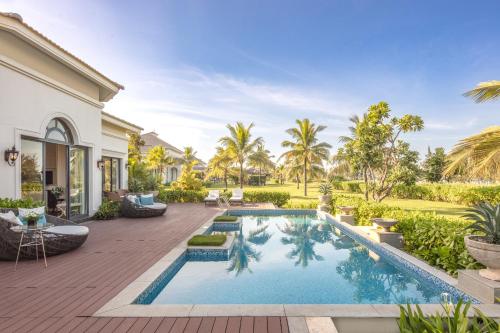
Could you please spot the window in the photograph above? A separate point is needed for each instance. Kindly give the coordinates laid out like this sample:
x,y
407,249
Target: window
x,y
58,131
111,174
32,169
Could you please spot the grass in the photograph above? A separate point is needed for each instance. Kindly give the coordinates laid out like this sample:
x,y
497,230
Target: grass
x,y
298,199
207,240
226,218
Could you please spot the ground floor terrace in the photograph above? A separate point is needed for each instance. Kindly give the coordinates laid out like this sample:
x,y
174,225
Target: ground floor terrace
x,y
63,297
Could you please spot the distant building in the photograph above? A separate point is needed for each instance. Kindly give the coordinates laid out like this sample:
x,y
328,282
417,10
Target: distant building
x,y
172,172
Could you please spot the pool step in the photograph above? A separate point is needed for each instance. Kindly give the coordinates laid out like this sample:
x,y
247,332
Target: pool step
x,y
311,325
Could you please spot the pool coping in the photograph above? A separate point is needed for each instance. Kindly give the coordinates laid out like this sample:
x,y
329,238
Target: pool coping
x,y
122,304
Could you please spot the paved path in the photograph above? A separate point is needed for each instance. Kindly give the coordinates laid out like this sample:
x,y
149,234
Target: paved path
x,y
63,297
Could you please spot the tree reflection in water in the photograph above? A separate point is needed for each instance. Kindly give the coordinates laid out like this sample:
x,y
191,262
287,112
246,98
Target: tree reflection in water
x,y
259,236
375,281
303,236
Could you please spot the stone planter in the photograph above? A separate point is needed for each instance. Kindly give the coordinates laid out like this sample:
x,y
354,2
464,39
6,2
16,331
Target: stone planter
x,y
384,223
485,253
325,199
346,210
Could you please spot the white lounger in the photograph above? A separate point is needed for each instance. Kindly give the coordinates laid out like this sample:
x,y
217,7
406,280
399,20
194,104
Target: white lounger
x,y
212,198
237,197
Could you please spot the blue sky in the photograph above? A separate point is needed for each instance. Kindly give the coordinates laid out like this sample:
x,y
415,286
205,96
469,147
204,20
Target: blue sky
x,y
190,67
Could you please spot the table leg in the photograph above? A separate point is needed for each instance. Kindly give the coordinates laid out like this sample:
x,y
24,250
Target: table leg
x,y
36,245
43,250
19,250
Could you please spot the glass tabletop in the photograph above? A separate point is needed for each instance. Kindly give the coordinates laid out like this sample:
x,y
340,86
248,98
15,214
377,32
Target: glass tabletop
x,y
25,228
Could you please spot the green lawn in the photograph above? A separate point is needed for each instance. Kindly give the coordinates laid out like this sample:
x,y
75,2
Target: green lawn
x,y
298,198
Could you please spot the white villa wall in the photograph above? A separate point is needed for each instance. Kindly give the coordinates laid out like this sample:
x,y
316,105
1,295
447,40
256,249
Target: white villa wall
x,y
26,107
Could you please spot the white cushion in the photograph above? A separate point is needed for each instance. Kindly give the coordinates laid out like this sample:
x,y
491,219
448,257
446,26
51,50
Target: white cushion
x,y
11,217
131,198
156,205
77,230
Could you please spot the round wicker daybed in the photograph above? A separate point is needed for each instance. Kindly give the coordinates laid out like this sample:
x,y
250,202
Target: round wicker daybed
x,y
64,236
134,210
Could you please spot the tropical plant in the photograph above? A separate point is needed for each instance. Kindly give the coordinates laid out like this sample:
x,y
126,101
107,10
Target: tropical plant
x,y
107,210
261,159
189,155
325,189
157,159
376,151
486,221
485,91
280,173
135,143
220,165
240,144
188,180
434,164
453,319
477,155
305,148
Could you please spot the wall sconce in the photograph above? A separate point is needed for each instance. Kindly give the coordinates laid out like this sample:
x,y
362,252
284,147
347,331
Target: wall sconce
x,y
11,155
100,164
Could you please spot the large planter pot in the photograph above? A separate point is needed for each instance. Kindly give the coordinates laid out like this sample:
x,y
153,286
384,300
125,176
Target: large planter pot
x,y
487,254
325,199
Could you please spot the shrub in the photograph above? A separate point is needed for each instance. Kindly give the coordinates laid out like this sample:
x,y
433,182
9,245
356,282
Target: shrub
x,y
353,187
226,218
108,210
300,204
177,195
277,198
436,239
207,240
20,203
325,189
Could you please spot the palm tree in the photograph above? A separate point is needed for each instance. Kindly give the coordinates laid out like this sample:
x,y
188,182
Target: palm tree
x,y
280,173
305,147
477,155
485,91
157,159
189,155
261,159
220,165
240,144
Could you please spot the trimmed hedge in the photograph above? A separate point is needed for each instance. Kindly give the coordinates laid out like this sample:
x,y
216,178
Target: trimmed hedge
x,y
462,194
225,218
168,195
277,198
208,240
20,203
436,239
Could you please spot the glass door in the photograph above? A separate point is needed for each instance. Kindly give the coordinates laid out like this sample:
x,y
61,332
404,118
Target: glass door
x,y
32,169
78,180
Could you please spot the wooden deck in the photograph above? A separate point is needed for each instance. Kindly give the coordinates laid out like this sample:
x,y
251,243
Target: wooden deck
x,y
63,297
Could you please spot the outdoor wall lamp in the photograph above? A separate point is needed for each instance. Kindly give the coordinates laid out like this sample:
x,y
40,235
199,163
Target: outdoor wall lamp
x,y
11,155
100,164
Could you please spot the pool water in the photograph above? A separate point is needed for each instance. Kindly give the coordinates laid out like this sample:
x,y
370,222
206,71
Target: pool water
x,y
295,260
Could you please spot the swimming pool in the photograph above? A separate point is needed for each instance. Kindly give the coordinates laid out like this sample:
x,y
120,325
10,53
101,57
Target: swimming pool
x,y
292,259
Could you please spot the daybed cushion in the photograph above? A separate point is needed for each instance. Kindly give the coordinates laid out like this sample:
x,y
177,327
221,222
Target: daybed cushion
x,y
134,199
76,230
11,218
156,205
39,211
147,199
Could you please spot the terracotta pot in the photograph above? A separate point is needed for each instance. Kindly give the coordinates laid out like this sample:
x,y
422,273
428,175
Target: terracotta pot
x,y
487,254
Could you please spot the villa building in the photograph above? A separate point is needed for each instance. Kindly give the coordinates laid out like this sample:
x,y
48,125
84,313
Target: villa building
x,y
172,172
59,146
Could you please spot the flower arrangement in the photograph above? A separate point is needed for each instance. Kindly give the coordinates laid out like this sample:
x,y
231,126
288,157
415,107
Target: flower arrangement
x,y
32,219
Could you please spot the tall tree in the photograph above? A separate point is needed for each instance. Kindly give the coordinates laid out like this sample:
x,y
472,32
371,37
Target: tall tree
x,y
189,155
220,165
261,159
240,144
376,151
434,165
135,143
280,173
304,146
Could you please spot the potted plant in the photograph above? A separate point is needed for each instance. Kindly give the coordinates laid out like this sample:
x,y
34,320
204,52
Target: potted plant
x,y
32,219
58,191
325,189
485,246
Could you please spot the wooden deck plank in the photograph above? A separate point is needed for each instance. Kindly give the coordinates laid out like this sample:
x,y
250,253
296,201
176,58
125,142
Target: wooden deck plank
x,y
152,325
179,325
220,325
273,324
85,325
98,325
139,325
206,325
246,325
166,325
193,325
260,325
233,325
125,325
284,325
112,325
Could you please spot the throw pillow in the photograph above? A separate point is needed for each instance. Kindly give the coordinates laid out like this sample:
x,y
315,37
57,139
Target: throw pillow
x,y
147,199
11,218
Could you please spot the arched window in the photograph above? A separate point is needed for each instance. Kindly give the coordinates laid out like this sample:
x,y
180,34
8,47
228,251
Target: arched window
x,y
174,174
57,130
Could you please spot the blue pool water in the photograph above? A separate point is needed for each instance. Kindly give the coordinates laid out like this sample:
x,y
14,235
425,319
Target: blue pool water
x,y
294,260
